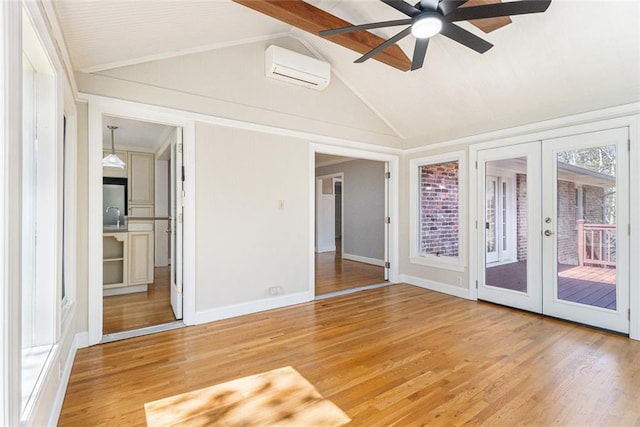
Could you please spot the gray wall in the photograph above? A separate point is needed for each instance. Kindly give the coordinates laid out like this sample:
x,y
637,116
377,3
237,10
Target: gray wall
x,y
363,189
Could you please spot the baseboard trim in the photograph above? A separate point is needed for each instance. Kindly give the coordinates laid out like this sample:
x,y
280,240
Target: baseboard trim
x,y
321,249
79,340
125,290
364,259
252,307
436,286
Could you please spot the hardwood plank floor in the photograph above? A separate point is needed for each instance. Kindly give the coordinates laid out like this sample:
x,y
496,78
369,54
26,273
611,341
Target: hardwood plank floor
x,y
336,274
140,309
398,355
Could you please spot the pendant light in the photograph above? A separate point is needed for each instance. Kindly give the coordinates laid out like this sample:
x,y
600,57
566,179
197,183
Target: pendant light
x,y
112,161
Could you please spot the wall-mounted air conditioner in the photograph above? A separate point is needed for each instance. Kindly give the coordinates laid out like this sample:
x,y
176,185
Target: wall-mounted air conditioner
x,y
293,67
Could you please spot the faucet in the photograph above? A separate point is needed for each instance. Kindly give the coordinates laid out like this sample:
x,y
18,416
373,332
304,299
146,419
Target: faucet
x,y
117,212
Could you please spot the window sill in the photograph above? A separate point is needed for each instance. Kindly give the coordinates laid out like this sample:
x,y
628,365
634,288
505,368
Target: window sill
x,y
451,264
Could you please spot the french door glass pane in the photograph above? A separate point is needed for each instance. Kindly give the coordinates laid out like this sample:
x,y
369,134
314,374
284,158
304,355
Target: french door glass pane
x,y
511,273
586,226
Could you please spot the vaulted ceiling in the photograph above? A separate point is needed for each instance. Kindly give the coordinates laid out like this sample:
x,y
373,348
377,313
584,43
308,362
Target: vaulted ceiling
x,y
578,56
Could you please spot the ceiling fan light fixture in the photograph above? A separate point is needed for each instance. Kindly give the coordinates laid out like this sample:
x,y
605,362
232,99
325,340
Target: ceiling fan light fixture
x,y
426,25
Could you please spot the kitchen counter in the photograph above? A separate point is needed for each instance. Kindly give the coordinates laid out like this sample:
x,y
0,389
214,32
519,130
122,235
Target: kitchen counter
x,y
114,229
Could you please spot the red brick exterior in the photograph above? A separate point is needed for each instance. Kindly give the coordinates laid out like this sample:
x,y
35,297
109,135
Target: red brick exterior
x,y
521,216
439,209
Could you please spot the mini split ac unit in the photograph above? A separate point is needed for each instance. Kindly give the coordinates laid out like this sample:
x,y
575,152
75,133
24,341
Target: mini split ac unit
x,y
293,67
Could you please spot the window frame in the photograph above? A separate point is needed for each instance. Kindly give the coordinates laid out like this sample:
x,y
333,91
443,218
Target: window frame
x,y
415,256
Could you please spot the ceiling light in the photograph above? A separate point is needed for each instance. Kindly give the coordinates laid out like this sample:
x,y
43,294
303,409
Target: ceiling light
x,y
426,25
113,161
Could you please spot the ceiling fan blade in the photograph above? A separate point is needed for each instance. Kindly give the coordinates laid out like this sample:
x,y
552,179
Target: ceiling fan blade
x,y
499,9
448,6
403,7
382,46
465,37
354,28
429,5
419,53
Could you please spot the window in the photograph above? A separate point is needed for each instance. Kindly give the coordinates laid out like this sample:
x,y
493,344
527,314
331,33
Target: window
x,y
436,223
40,226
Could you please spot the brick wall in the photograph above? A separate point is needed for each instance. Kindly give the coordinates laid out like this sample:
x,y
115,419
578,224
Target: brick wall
x,y
521,216
439,211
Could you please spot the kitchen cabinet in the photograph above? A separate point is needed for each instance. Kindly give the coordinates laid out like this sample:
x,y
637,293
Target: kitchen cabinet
x,y
114,260
116,172
141,252
140,178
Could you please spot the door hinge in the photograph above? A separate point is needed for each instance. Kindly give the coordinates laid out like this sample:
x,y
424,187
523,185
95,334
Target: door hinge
x,y
182,173
628,229
628,314
387,264
476,224
387,220
387,175
179,218
179,148
476,284
476,164
180,288
629,144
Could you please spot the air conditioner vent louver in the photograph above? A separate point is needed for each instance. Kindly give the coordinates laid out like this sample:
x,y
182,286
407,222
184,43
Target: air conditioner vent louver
x,y
295,68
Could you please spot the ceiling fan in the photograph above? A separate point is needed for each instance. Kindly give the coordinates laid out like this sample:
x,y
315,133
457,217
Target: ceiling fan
x,y
491,15
428,18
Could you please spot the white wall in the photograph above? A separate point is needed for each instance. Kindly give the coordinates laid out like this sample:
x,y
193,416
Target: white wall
x,y
230,83
363,194
245,244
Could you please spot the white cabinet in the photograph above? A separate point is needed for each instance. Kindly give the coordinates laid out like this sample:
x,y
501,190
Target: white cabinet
x,y
116,172
114,260
141,252
140,178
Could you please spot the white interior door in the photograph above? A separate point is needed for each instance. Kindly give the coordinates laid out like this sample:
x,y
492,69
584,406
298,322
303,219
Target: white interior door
x,y
586,248
325,216
572,244
514,283
177,181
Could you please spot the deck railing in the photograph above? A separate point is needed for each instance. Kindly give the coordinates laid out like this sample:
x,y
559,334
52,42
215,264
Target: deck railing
x,y
596,244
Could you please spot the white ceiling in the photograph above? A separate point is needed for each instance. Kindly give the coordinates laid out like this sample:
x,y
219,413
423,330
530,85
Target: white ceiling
x,y
578,56
134,134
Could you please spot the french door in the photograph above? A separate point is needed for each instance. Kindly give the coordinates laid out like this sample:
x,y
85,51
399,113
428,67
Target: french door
x,y
569,244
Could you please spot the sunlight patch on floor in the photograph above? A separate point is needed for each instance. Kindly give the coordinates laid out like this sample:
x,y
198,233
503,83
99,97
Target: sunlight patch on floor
x,y
280,397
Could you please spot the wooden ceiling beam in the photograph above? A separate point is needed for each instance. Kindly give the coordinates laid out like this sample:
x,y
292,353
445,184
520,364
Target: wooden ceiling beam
x,y
313,20
489,24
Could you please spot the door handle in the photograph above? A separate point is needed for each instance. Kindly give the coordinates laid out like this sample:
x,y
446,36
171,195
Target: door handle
x,y
548,233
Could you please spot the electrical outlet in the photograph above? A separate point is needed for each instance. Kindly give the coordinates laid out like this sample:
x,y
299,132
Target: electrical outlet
x,y
275,290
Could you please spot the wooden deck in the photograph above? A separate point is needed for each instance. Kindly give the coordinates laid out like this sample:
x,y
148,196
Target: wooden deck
x,y
593,286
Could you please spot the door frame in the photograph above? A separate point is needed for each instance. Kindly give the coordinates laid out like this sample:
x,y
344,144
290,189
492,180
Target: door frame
x,y
393,202
561,128
97,107
335,177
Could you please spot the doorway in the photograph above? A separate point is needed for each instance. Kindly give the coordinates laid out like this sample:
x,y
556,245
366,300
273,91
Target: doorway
x,y
142,228
351,234
553,235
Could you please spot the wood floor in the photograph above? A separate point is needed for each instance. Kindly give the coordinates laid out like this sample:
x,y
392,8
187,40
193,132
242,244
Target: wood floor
x,y
397,355
140,309
336,274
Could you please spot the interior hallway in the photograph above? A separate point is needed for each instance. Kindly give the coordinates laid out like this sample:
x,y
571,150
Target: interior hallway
x,y
336,274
